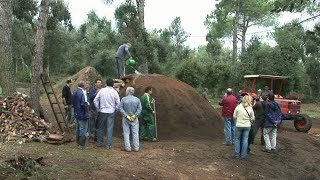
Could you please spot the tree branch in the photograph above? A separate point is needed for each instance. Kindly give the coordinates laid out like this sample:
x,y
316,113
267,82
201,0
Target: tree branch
x,y
27,39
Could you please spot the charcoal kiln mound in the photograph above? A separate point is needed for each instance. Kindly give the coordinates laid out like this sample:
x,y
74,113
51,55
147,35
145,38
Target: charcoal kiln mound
x,y
88,74
180,109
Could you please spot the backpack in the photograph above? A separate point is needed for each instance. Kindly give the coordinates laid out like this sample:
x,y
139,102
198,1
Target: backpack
x,y
275,116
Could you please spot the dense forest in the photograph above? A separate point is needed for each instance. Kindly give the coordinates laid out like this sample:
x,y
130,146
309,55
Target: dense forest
x,y
67,49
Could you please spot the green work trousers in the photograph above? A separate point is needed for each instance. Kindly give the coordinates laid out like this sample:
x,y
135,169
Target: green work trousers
x,y
147,126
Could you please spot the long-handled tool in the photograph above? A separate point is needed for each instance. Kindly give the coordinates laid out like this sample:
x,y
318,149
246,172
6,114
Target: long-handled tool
x,y
155,118
131,63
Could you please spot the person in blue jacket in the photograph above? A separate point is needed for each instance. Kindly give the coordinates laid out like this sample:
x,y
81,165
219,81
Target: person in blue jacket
x,y
81,112
272,119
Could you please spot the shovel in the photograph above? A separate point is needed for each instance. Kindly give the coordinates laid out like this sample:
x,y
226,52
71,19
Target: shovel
x,y
155,118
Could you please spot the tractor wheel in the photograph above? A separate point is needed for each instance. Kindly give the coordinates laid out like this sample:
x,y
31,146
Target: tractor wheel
x,y
304,124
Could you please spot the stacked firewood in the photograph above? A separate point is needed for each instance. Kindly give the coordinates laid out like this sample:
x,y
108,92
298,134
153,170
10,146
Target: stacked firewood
x,y
118,84
18,121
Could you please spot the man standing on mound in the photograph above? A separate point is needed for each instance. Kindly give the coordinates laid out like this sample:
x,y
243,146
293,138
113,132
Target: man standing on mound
x,y
147,114
122,52
228,103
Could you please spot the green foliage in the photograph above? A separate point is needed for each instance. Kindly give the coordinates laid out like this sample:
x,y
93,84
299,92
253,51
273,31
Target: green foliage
x,y
24,75
191,72
127,19
25,10
292,5
290,41
58,13
178,34
217,76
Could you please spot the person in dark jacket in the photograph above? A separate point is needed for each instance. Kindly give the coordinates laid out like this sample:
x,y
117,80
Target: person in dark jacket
x,y
93,124
228,103
81,112
122,52
272,120
67,101
260,113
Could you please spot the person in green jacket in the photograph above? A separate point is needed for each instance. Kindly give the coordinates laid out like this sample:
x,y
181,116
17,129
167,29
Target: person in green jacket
x,y
147,115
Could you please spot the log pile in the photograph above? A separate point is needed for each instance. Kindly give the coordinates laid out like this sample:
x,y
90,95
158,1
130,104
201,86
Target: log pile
x,y
118,84
18,121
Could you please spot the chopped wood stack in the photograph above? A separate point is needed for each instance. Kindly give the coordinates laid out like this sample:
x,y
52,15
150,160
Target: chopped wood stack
x,y
18,121
117,84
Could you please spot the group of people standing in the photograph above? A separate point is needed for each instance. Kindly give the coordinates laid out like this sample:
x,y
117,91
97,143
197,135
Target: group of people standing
x,y
95,110
244,115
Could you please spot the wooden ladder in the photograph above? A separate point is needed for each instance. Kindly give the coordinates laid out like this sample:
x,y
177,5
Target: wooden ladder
x,y
53,100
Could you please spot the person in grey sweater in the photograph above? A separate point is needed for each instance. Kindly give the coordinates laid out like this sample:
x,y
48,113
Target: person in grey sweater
x,y
130,108
122,52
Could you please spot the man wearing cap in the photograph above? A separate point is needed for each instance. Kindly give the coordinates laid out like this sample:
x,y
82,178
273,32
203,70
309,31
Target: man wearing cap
x,y
228,103
122,52
130,108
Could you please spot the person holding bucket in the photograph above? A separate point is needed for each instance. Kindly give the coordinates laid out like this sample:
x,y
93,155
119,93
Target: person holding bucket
x,y
122,52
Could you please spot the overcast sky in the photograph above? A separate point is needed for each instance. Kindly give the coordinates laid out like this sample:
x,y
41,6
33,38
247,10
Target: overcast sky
x,y
160,13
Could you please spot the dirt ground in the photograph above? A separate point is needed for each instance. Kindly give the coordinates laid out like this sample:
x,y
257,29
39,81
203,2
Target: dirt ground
x,y
177,158
179,154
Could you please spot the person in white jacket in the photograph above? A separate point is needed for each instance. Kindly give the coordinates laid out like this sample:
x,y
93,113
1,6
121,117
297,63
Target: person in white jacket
x,y
244,115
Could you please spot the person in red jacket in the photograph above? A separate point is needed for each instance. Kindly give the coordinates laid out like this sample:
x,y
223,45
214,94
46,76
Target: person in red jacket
x,y
228,103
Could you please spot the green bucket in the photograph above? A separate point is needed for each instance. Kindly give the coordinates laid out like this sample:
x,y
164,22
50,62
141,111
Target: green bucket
x,y
130,62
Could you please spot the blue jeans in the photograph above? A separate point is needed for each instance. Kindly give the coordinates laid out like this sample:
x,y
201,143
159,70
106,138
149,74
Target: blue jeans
x,y
106,120
241,141
229,126
81,129
134,126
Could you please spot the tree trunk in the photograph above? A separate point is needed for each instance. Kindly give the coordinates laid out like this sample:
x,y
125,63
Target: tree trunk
x,y
7,66
235,34
243,34
140,6
37,60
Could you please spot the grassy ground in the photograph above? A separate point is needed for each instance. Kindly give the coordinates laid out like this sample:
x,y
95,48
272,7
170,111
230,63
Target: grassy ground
x,y
312,110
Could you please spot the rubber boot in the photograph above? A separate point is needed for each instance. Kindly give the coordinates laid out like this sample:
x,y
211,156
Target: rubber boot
x,y
77,139
82,142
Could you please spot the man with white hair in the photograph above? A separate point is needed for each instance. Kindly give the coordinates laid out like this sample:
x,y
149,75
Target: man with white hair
x,y
130,108
228,103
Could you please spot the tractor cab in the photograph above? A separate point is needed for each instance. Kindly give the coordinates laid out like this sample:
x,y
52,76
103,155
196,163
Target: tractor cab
x,y
274,84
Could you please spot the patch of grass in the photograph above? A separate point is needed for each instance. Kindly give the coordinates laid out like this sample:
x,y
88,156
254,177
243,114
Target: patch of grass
x,y
312,110
215,103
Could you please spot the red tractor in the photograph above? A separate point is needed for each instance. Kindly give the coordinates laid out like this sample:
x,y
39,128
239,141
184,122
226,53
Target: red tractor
x,y
290,108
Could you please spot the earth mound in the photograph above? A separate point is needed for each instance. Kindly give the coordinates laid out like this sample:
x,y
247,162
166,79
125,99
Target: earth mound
x,y
88,74
180,110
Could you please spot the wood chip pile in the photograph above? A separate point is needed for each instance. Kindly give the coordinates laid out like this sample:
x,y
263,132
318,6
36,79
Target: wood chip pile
x,y
18,121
